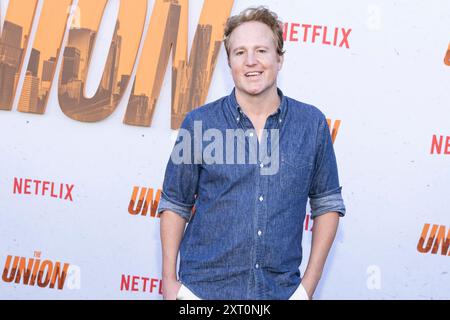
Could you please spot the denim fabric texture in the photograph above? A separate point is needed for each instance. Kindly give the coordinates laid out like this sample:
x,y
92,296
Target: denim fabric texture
x,y
244,240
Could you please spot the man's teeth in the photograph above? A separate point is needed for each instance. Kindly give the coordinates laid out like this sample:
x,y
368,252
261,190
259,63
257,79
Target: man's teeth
x,y
253,74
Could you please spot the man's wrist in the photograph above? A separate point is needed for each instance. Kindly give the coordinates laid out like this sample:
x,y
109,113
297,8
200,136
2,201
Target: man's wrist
x,y
313,276
170,277
310,281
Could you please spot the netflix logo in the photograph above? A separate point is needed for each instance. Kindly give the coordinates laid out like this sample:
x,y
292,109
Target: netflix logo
x,y
26,186
140,284
317,34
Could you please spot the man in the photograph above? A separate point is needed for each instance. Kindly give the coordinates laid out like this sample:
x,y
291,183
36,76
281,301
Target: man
x,y
244,239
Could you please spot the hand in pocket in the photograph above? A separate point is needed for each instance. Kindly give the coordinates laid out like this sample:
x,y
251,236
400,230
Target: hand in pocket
x,y
171,289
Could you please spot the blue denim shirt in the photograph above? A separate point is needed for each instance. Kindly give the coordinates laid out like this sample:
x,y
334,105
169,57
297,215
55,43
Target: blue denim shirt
x,y
244,239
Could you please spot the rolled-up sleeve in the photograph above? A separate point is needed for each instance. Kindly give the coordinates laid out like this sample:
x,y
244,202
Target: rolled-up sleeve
x,y
325,194
181,177
182,209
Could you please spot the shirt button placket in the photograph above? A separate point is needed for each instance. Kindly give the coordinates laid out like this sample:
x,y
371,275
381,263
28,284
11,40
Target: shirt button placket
x,y
259,214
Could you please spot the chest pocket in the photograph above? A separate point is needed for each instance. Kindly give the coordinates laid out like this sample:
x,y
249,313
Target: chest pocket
x,y
295,173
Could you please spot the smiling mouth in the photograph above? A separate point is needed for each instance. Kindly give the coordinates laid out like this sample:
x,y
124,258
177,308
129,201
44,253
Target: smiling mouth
x,y
253,74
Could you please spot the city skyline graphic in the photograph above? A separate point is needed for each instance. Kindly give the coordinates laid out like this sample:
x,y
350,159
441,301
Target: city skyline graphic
x,y
191,75
119,62
167,36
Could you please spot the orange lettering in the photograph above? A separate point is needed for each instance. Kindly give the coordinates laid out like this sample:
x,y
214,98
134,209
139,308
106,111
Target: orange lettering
x,y
25,270
335,129
447,56
137,210
119,64
441,239
59,275
45,269
44,53
425,229
190,79
19,18
12,275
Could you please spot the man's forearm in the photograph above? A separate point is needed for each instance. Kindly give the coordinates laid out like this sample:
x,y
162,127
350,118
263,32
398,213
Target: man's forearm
x,y
171,231
323,234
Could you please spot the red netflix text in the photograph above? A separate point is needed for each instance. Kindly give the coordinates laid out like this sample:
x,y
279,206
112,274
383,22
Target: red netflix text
x,y
140,284
43,188
317,34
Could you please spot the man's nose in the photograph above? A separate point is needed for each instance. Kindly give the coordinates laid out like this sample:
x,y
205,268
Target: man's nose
x,y
251,58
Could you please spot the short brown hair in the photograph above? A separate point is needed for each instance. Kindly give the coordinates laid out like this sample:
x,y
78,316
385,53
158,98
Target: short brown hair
x,y
260,14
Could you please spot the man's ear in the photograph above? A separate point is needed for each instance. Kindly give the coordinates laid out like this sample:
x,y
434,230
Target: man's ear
x,y
280,62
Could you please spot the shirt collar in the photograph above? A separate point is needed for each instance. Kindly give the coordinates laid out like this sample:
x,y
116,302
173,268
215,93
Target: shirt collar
x,y
237,110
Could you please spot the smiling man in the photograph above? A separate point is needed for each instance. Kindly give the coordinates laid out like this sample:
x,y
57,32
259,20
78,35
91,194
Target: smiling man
x,y
244,239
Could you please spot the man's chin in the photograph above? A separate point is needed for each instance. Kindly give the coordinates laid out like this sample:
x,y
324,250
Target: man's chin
x,y
253,92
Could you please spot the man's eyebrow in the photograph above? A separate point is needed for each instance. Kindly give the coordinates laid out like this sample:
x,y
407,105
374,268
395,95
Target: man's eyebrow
x,y
243,48
238,48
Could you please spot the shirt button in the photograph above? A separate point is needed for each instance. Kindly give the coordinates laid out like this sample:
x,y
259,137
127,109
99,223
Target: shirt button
x,y
257,266
261,198
280,120
259,233
251,134
262,165
237,119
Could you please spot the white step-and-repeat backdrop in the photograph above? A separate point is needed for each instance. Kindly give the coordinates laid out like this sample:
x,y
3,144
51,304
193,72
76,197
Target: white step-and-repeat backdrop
x,y
84,149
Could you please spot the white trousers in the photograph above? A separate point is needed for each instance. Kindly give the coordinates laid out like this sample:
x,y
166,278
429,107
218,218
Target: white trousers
x,y
300,294
186,294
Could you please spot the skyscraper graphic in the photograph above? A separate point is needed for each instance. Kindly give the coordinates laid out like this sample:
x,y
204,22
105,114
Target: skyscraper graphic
x,y
110,75
198,67
34,59
72,100
46,81
47,69
10,55
7,78
191,79
29,99
33,64
83,40
73,88
71,64
141,107
10,44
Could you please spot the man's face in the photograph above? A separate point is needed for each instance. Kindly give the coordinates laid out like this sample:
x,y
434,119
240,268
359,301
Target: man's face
x,y
253,58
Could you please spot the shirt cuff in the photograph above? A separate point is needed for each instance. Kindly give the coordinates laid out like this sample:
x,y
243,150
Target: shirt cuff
x,y
183,210
330,201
